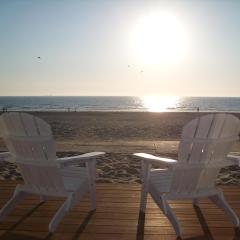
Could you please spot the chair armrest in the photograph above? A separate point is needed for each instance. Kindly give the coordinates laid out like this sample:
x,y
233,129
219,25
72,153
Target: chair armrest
x,y
83,158
6,156
151,159
234,159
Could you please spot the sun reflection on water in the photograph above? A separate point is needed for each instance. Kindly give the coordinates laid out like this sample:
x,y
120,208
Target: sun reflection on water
x,y
160,103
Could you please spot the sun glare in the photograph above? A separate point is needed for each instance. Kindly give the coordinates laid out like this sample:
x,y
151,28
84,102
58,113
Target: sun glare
x,y
160,103
159,38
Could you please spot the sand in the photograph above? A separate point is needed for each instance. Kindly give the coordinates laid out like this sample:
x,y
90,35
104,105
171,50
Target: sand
x,y
119,134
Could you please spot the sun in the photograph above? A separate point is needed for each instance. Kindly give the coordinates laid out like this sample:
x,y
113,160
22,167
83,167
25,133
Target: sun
x,y
159,38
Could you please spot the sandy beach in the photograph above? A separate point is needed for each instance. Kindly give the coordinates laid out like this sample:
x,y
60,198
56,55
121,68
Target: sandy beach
x,y
118,134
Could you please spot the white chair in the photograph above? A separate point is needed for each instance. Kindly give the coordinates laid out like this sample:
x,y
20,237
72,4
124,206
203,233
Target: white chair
x,y
202,152
29,140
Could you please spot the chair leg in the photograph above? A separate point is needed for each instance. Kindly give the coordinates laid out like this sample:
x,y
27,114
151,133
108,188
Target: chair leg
x,y
43,198
91,166
145,185
92,189
195,202
173,219
164,206
220,201
8,207
143,201
58,216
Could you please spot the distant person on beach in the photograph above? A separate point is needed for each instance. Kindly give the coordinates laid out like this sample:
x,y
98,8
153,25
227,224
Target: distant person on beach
x,y
197,109
4,109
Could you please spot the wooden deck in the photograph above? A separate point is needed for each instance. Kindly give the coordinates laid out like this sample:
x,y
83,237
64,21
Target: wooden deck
x,y
116,217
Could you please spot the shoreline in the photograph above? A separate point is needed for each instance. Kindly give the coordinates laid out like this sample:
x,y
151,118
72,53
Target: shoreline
x,y
120,103
118,111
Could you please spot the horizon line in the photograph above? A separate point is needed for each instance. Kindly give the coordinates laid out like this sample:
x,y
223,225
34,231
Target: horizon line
x,y
154,95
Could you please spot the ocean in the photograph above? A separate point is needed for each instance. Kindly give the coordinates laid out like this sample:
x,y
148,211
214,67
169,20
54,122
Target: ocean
x,y
132,104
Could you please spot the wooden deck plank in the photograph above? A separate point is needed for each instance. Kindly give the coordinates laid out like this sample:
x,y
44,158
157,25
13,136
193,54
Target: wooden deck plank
x,y
116,217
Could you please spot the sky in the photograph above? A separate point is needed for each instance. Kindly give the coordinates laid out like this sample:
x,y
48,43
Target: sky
x,y
119,48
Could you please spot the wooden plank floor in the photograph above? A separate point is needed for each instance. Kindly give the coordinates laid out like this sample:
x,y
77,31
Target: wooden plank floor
x,y
116,217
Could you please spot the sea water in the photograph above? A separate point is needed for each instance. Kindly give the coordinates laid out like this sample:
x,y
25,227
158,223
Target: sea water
x,y
132,104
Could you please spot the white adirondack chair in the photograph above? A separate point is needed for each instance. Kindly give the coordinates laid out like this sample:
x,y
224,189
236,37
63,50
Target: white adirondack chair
x,y
202,152
30,142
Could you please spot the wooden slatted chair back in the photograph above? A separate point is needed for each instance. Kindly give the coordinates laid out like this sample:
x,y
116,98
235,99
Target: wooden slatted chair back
x,y
30,141
203,148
